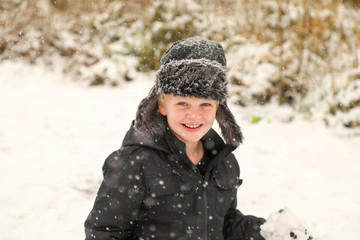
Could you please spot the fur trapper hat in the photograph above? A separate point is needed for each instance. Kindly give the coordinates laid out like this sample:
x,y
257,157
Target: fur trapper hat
x,y
190,67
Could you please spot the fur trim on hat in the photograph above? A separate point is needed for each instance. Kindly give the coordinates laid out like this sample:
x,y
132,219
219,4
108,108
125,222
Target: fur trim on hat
x,y
230,131
200,78
148,118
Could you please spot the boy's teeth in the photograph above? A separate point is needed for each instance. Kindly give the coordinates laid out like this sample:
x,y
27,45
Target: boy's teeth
x,y
192,126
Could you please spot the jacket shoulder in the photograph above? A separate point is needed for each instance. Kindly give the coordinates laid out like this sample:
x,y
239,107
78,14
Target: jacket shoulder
x,y
233,162
134,156
119,159
227,172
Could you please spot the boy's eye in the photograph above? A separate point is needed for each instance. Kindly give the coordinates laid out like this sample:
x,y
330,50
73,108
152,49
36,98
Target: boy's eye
x,y
182,103
206,104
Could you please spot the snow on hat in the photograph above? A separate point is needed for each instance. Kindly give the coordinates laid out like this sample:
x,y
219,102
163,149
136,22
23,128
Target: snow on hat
x,y
190,67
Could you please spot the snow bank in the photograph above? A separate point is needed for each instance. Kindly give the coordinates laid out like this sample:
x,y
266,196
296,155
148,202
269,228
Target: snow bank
x,y
55,134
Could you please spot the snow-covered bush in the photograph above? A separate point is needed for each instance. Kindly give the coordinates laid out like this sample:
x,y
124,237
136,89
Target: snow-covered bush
x,y
165,22
344,107
296,53
75,39
303,43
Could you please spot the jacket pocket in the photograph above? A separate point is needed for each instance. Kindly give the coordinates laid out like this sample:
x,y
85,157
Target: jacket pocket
x,y
162,186
168,195
226,189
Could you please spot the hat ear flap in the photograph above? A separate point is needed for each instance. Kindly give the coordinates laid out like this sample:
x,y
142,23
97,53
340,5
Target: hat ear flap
x,y
231,132
147,116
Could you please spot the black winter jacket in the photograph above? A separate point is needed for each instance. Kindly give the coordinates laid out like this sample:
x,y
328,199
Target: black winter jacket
x,y
151,190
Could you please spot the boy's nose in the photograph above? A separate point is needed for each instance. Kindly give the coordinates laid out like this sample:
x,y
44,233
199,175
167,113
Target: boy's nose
x,y
193,113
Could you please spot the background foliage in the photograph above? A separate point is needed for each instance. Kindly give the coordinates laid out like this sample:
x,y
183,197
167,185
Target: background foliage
x,y
299,53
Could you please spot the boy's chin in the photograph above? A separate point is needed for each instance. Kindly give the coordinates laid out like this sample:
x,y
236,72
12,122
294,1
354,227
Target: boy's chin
x,y
187,139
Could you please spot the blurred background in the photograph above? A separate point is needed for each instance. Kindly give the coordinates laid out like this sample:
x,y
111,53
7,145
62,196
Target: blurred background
x,y
299,53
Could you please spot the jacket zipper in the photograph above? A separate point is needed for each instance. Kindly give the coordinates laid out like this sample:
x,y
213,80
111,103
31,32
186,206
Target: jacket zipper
x,y
205,201
206,210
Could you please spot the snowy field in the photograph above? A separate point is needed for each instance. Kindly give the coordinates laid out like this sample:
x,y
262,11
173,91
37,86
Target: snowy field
x,y
55,134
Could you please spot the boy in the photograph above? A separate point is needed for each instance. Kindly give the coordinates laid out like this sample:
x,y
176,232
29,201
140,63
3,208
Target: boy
x,y
174,177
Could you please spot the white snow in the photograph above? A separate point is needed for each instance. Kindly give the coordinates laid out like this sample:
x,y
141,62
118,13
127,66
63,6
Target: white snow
x,y
283,224
55,134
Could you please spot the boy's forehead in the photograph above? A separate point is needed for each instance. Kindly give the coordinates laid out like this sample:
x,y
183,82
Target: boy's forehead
x,y
188,98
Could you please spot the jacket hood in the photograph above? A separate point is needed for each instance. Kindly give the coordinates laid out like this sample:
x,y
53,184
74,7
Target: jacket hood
x,y
136,137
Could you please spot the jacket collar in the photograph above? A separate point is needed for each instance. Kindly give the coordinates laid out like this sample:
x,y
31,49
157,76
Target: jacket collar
x,y
169,143
212,142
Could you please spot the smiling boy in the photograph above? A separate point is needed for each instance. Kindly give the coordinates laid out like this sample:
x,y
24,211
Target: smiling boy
x,y
189,118
174,177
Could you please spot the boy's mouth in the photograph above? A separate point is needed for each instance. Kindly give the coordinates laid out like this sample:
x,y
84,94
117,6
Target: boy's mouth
x,y
192,126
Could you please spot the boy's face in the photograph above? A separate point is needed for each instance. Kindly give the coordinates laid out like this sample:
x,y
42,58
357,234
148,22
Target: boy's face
x,y
189,118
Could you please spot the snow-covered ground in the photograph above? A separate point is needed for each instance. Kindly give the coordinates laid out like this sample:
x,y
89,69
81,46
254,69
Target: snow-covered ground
x,y
55,134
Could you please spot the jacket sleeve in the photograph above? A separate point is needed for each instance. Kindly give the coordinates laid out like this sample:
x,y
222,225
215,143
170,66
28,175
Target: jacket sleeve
x,y
116,208
238,226
232,223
